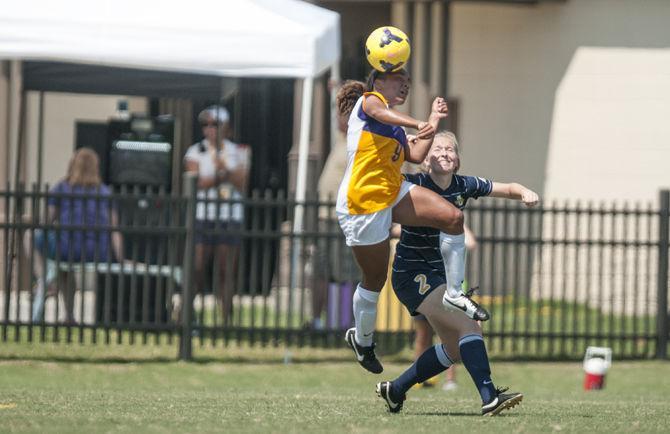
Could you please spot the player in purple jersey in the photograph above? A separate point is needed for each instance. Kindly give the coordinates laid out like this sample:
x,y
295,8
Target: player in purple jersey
x,y
421,278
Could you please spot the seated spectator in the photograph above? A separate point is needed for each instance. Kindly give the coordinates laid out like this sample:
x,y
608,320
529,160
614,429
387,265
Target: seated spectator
x,y
75,245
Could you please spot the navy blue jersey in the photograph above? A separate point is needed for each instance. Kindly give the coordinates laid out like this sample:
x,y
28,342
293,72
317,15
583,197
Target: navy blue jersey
x,y
419,246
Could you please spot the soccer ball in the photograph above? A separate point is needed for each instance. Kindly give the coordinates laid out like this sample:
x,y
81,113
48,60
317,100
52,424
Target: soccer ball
x,y
387,49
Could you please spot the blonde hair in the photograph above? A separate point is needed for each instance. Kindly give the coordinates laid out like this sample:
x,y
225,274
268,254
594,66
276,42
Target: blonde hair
x,y
84,169
449,136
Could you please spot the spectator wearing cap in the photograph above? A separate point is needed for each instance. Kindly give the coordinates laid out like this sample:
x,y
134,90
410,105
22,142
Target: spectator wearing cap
x,y
222,168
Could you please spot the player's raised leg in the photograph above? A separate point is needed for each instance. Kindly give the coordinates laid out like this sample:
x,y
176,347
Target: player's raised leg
x,y
423,207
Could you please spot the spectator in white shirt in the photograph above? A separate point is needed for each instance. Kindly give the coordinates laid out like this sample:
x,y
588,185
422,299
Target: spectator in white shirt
x,y
222,167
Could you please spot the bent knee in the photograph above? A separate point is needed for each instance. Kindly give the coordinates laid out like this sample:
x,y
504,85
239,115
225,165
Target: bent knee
x,y
374,282
456,218
452,220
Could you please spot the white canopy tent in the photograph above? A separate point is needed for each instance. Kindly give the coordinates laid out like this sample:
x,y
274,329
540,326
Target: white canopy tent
x,y
240,38
269,38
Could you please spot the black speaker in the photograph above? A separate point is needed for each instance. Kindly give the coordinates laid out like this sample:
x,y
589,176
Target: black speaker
x,y
140,151
140,163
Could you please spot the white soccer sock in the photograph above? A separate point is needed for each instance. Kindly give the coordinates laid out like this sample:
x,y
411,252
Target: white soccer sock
x,y
365,314
453,252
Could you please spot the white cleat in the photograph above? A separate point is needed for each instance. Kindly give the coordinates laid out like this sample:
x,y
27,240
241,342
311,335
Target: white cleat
x,y
465,304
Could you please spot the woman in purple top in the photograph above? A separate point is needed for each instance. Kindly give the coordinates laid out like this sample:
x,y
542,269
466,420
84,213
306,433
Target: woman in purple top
x,y
65,209
94,209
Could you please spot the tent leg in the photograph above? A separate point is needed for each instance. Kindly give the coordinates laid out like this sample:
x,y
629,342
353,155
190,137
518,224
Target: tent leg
x,y
301,179
40,140
13,116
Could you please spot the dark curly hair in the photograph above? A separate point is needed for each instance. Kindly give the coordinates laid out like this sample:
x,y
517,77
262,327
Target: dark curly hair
x,y
347,96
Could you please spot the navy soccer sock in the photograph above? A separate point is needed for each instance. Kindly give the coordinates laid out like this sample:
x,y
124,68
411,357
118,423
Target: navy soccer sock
x,y
476,361
433,361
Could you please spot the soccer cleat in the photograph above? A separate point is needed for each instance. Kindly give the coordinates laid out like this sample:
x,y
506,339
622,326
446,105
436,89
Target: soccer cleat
x,y
385,391
464,303
365,356
502,401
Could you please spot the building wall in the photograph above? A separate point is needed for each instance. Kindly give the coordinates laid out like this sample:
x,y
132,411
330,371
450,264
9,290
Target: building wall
x,y
506,67
609,126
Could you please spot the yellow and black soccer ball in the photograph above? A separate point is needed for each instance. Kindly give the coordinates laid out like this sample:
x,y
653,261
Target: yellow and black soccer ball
x,y
387,49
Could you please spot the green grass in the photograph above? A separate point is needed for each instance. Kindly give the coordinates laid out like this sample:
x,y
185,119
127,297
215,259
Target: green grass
x,y
254,391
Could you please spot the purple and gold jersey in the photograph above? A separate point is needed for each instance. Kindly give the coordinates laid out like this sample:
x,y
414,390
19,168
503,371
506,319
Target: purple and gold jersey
x,y
375,152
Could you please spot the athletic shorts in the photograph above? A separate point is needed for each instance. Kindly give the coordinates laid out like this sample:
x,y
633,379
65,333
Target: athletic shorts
x,y
413,286
213,233
373,228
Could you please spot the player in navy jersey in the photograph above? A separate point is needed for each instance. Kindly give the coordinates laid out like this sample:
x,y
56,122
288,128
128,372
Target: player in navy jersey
x,y
422,275
419,247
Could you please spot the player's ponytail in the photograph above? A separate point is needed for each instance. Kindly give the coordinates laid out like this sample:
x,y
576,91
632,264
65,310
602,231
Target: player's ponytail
x,y
347,96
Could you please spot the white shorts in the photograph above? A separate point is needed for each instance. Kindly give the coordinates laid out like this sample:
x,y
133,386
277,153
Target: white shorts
x,y
368,229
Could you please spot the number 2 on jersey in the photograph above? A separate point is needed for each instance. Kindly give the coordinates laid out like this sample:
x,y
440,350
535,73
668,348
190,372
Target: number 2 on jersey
x,y
423,286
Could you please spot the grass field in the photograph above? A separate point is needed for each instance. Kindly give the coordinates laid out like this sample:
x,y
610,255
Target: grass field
x,y
152,394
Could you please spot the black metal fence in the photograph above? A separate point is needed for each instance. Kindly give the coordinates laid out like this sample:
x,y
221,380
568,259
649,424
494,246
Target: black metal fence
x,y
556,278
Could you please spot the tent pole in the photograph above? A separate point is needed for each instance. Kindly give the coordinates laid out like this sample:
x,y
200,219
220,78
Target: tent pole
x,y
13,116
301,178
40,140
13,216
303,151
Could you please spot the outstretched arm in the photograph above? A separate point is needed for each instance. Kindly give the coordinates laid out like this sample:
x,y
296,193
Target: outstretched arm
x,y
515,191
